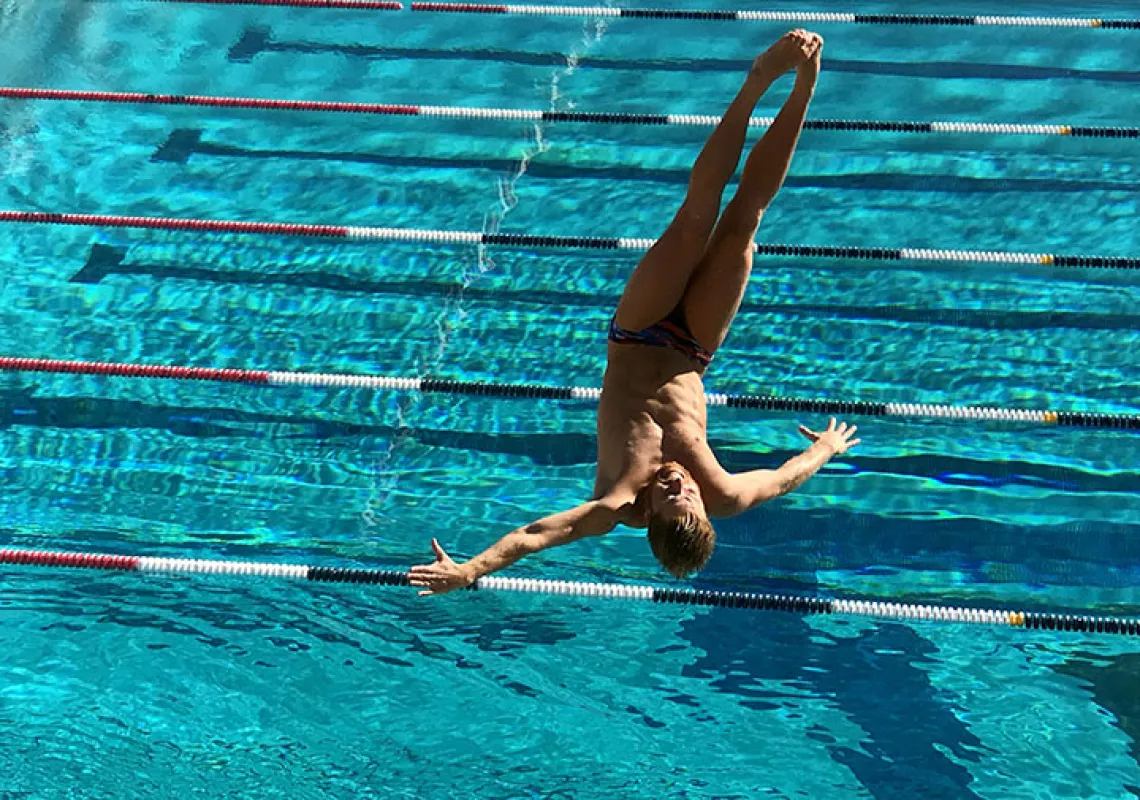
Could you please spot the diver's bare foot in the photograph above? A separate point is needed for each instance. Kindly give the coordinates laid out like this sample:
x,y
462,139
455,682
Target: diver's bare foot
x,y
807,71
791,51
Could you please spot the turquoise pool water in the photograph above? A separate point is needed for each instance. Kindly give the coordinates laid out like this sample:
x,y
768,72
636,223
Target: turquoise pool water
x,y
131,686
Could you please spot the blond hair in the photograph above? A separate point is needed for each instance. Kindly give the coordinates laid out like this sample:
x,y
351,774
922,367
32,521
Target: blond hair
x,y
682,544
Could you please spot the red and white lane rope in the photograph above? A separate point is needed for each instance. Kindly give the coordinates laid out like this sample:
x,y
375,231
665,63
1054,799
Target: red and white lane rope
x,y
532,240
777,16
581,393
610,118
797,604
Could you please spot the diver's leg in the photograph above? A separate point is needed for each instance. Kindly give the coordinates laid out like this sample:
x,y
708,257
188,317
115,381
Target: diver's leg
x,y
717,287
658,283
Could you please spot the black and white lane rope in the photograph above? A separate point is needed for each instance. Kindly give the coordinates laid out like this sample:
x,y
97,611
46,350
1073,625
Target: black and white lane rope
x,y
697,14
591,117
581,393
795,604
366,234
779,16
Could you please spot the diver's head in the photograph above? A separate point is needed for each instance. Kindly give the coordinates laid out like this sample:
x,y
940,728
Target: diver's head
x,y
680,533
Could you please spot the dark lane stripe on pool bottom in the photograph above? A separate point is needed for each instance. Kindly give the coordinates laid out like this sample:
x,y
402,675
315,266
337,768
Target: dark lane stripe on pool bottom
x,y
183,143
105,260
876,679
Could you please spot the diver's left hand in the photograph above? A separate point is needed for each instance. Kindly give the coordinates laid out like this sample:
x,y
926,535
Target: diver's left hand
x,y
837,438
440,577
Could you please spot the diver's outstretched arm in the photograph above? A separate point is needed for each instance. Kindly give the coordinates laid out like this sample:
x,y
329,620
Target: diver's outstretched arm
x,y
745,490
445,575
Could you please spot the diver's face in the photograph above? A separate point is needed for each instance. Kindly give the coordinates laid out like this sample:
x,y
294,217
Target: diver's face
x,y
674,493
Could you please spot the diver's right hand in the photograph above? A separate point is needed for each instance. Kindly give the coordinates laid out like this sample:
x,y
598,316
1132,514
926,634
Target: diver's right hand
x,y
441,576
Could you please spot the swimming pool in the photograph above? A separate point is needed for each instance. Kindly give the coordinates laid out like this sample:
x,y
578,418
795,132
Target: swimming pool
x,y
130,685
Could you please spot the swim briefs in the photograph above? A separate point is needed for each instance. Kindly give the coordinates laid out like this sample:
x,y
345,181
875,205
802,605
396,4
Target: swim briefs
x,y
669,332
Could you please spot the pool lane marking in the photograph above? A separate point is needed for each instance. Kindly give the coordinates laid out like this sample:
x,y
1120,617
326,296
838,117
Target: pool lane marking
x,y
606,118
926,20
522,391
795,604
776,16
357,233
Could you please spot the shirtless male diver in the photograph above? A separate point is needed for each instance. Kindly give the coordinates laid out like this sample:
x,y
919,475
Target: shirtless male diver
x,y
655,467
